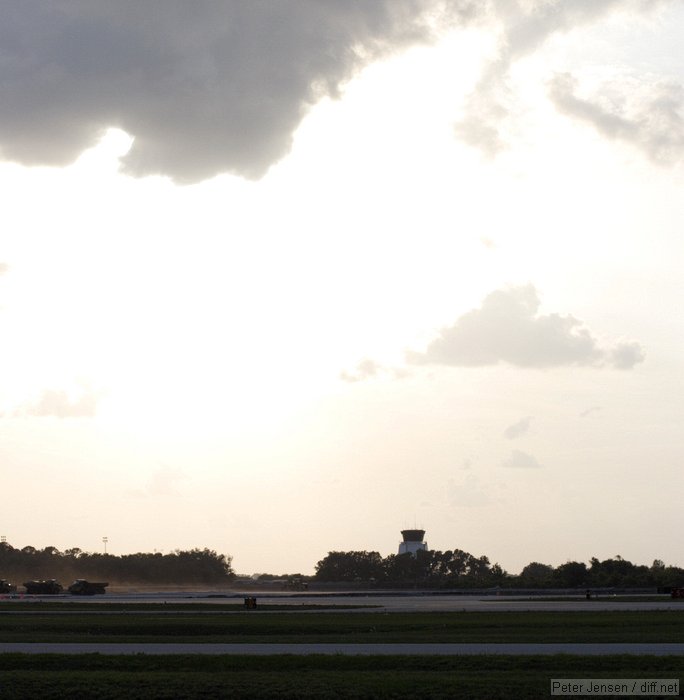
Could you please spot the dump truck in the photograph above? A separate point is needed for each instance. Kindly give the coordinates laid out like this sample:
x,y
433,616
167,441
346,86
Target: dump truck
x,y
43,587
82,587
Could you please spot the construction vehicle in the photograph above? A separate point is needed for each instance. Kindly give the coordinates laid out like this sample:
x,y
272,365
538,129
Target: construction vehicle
x,y
82,587
43,587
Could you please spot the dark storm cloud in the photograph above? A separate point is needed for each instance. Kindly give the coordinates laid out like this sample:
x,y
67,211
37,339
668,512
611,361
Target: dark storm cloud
x,y
204,87
507,328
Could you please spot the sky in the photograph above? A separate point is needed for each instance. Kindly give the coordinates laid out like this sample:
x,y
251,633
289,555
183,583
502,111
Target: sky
x,y
280,279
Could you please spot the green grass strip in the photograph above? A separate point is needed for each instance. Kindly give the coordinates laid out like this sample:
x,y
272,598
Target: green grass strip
x,y
477,677
347,627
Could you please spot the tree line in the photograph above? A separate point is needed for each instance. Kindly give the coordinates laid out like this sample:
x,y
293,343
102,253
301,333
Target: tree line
x,y
429,569
191,567
456,569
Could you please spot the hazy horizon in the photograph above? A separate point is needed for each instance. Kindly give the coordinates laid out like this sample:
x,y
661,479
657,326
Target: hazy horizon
x,y
284,279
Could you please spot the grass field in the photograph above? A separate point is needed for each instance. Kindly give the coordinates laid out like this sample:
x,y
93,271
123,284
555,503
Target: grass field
x,y
186,676
348,627
194,677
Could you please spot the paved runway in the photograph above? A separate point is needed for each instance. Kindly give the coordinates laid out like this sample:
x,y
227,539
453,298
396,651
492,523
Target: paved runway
x,y
348,649
475,603
380,602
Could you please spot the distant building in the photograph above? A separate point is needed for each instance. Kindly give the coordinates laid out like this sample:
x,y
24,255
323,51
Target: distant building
x,y
413,541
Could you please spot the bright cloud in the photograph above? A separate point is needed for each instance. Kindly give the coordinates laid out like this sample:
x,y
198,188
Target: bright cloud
x,y
62,405
162,482
508,328
525,29
521,460
365,369
650,118
469,492
515,430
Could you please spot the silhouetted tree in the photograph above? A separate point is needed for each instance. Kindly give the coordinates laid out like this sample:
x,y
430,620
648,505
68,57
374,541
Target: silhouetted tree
x,y
570,575
427,568
350,566
536,575
196,566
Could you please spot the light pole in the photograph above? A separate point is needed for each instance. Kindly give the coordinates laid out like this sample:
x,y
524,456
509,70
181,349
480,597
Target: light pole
x,y
104,541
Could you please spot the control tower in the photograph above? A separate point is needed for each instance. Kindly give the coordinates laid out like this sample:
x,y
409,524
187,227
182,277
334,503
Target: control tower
x,y
413,541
